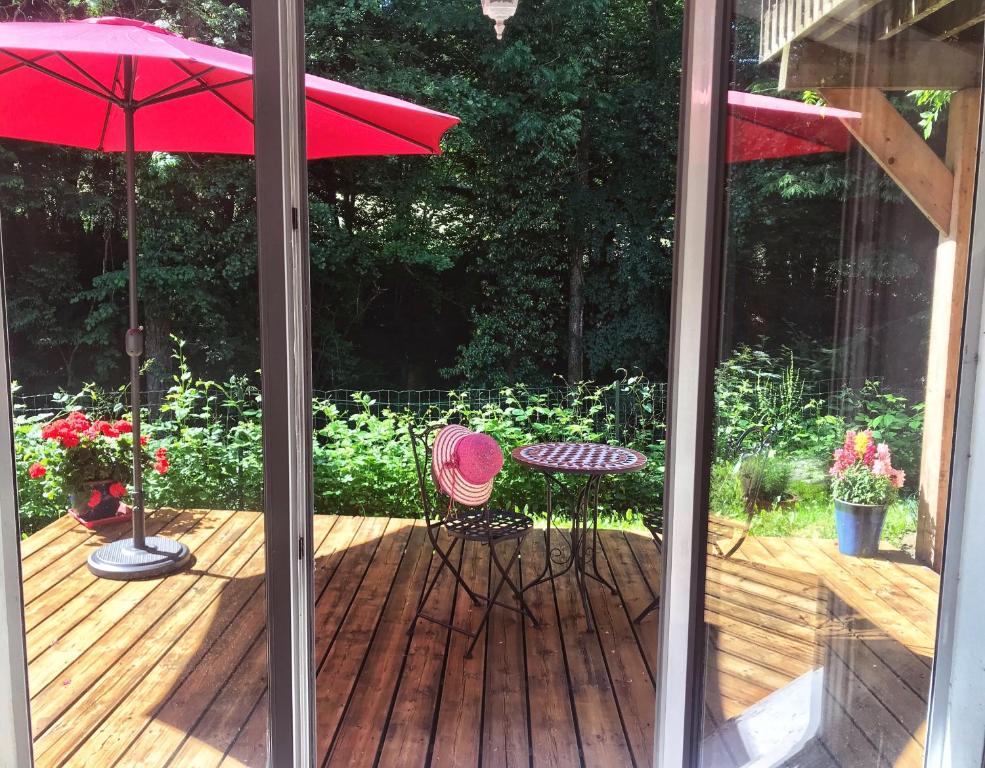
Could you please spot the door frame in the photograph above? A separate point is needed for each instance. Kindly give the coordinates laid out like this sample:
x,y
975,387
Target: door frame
x,y
285,353
695,320
15,710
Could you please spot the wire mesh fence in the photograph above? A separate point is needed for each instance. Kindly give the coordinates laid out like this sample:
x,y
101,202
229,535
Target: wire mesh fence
x,y
620,410
616,409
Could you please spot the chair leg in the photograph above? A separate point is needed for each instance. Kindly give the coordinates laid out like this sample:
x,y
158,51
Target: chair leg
x,y
654,604
430,582
491,600
514,588
447,563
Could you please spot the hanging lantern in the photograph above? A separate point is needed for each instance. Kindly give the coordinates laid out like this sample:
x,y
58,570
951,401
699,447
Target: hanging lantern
x,y
499,11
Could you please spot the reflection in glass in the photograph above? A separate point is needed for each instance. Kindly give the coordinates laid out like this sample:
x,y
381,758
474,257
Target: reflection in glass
x,y
852,138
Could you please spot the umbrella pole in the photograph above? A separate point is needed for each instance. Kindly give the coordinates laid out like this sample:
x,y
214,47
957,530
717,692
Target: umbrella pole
x,y
135,335
139,557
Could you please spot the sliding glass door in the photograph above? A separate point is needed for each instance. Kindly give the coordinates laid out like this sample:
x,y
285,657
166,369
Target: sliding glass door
x,y
823,270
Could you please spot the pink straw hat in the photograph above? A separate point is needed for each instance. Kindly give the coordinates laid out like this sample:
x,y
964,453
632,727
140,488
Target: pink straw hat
x,y
464,463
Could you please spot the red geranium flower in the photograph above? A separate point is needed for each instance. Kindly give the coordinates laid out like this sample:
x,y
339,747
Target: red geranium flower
x,y
143,439
37,470
161,466
106,429
117,490
69,440
95,499
53,429
78,421
123,426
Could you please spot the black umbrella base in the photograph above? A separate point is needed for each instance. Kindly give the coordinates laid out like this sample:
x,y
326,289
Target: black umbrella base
x,y
122,561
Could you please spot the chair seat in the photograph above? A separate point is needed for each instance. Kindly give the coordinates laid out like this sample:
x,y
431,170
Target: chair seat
x,y
486,524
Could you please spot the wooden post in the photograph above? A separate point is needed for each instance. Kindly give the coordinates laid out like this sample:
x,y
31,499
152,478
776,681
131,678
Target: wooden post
x,y
947,312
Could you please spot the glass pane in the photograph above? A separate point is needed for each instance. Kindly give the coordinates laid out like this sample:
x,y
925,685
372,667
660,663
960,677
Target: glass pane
x,y
516,285
852,143
169,669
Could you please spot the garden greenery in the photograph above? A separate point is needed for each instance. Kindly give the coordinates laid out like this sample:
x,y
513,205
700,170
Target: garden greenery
x,y
363,464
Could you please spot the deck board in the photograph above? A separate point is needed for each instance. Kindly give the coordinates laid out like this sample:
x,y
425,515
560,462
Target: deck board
x,y
172,672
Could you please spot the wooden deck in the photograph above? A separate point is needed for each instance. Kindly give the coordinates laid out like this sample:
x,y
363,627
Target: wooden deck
x,y
172,672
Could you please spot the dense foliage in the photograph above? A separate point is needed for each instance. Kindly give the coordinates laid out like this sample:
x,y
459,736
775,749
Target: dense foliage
x,y
537,245
363,463
561,171
362,455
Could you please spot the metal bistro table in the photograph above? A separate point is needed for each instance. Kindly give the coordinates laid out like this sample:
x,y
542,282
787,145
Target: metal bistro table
x,y
594,461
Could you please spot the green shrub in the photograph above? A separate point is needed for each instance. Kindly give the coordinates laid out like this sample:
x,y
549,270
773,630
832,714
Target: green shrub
x,y
726,497
362,457
766,478
363,463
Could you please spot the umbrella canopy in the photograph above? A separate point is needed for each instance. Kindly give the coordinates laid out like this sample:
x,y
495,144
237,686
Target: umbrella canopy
x,y
119,85
67,83
762,127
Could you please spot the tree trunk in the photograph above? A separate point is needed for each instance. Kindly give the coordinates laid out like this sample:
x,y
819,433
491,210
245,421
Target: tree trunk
x,y
157,351
576,313
578,250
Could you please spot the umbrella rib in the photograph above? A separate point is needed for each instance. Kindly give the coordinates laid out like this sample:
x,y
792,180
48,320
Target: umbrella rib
x,y
84,73
20,63
216,93
371,124
193,91
173,86
30,64
109,104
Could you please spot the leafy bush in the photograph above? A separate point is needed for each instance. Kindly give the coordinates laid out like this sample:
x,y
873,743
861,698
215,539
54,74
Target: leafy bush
x,y
766,478
726,497
759,394
363,463
891,419
362,458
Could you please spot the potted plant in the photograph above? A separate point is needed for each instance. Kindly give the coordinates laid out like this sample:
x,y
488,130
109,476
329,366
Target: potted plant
x,y
864,483
92,460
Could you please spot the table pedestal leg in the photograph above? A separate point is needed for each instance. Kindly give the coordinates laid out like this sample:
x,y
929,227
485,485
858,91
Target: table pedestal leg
x,y
586,524
548,573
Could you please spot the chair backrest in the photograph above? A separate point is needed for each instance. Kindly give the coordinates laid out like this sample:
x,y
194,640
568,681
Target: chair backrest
x,y
421,444
653,521
753,445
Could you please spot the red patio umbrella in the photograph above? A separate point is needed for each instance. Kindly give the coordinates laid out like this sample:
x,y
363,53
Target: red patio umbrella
x,y
120,85
762,127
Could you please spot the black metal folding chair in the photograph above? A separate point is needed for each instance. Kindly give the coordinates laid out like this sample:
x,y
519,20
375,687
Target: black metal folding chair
x,y
725,536
485,525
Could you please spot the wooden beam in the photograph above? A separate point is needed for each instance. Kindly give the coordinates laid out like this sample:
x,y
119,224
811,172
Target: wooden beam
x,y
845,19
892,65
898,15
900,151
947,313
953,19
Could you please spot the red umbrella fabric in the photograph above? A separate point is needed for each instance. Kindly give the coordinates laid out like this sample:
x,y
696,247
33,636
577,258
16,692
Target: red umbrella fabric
x,y
64,83
762,127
